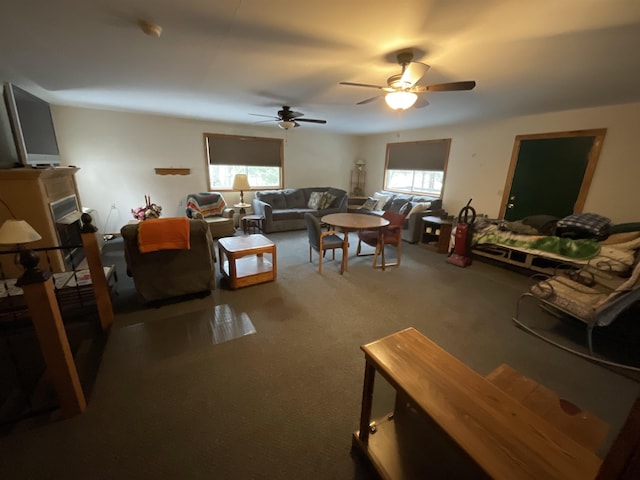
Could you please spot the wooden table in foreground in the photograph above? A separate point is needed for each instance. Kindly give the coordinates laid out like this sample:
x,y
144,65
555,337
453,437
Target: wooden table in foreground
x,y
242,260
348,222
450,422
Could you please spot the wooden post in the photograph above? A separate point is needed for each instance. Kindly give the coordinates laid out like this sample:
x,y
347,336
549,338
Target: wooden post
x,y
98,279
40,298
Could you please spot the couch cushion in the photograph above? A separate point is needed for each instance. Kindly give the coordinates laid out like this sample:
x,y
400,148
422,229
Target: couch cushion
x,y
293,214
294,198
397,202
275,199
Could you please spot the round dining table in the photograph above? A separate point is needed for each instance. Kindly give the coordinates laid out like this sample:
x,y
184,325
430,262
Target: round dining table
x,y
348,222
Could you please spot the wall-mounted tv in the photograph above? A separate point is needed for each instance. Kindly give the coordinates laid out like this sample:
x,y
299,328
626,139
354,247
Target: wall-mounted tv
x,y
32,127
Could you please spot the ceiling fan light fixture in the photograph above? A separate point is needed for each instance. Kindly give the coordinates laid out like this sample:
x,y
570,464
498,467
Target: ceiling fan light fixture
x,y
400,100
286,124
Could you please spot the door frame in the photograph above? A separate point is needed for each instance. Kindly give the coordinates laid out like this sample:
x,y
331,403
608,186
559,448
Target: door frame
x,y
594,155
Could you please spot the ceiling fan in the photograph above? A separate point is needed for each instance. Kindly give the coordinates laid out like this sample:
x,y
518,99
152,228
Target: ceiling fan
x,y
287,118
402,89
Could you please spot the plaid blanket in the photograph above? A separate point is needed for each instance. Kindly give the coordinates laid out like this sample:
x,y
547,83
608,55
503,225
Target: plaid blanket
x,y
209,204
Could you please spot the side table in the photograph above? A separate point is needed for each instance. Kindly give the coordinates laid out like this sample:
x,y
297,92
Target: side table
x,y
242,260
436,233
242,211
251,223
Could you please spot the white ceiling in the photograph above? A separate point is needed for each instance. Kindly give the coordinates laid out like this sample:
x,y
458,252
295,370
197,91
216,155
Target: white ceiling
x,y
223,60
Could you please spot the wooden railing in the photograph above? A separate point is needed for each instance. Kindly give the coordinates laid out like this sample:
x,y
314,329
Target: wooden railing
x,y
41,300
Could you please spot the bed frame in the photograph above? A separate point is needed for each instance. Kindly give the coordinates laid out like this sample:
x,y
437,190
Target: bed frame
x,y
520,258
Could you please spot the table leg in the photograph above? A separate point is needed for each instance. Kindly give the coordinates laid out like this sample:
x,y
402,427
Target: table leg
x,y
367,401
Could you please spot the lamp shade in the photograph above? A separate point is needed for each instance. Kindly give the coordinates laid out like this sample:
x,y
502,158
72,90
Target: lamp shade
x,y
241,182
286,124
400,100
16,232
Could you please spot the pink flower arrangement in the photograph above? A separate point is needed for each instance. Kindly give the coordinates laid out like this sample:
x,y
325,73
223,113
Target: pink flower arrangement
x,y
149,210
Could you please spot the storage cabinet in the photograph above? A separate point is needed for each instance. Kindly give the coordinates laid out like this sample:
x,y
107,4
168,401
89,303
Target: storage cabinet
x,y
436,233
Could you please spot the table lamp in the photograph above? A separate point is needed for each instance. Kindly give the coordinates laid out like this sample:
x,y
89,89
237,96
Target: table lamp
x,y
19,232
241,182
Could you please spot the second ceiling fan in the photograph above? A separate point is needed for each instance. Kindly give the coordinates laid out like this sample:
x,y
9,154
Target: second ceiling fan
x,y
401,91
287,118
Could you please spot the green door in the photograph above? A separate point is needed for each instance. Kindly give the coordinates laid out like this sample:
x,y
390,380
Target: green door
x,y
548,176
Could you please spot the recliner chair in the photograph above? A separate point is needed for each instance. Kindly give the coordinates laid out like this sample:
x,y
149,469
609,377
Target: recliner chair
x,y
171,273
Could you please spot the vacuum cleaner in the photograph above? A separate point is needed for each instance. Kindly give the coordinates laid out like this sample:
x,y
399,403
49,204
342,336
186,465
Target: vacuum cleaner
x,y
460,254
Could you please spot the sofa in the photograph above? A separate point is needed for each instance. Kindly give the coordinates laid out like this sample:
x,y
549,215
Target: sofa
x,y
413,206
171,273
284,209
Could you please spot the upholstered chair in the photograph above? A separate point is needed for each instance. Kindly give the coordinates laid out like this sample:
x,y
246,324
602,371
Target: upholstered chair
x,y
212,208
322,241
379,238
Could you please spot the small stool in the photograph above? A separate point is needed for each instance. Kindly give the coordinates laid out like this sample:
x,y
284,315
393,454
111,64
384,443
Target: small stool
x,y
252,223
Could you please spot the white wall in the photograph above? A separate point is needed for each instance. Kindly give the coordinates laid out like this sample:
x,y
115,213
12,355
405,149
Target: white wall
x,y
481,153
117,153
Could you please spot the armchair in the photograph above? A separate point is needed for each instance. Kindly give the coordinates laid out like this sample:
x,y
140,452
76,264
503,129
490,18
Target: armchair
x,y
212,208
322,241
389,235
171,272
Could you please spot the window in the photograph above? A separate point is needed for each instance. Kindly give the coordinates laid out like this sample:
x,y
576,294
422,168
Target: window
x,y
259,158
417,167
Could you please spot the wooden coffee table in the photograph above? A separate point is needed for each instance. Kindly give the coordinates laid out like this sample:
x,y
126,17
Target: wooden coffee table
x,y
242,260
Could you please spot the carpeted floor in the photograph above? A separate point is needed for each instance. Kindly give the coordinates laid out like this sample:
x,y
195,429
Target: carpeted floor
x,y
282,403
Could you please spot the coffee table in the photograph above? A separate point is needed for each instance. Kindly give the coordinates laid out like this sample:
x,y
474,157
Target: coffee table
x,y
242,260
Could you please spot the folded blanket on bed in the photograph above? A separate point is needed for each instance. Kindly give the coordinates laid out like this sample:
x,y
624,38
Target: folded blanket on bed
x,y
164,234
567,247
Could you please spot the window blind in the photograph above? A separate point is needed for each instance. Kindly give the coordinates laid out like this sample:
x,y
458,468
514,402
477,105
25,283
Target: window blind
x,y
241,150
427,155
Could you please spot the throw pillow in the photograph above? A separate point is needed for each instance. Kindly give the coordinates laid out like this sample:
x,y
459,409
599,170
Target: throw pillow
x,y
405,209
327,200
382,200
369,204
315,200
419,208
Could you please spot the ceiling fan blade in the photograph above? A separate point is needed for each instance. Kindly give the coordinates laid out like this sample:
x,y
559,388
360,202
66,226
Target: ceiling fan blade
x,y
361,85
368,100
268,116
444,87
414,72
310,120
421,103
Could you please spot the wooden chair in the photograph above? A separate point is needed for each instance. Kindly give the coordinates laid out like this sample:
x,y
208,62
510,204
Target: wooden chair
x,y
379,238
322,241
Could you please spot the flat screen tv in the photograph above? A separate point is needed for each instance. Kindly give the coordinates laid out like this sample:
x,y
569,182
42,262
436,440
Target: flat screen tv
x,y
32,127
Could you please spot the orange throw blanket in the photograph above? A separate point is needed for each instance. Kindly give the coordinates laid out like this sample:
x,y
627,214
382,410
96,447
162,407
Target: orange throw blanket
x,y
164,234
